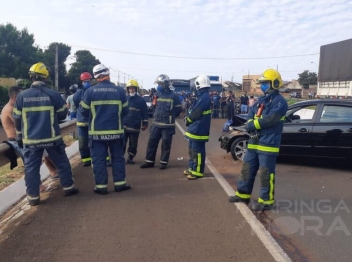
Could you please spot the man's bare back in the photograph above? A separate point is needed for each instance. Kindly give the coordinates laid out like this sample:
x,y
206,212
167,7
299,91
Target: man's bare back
x,y
7,121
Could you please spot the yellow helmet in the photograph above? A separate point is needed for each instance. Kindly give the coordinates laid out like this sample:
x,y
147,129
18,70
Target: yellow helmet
x,y
132,83
38,70
272,76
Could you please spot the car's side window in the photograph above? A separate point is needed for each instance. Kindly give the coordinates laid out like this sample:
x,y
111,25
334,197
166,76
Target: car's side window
x,y
301,115
336,114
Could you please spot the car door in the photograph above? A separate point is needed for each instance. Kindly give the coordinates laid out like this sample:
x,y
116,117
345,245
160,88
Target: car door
x,y
297,133
333,131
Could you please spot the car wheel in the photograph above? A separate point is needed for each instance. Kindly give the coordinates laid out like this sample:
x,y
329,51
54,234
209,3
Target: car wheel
x,y
239,148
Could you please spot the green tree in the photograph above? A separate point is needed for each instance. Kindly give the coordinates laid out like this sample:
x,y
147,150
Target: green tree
x,y
307,78
17,51
85,62
49,60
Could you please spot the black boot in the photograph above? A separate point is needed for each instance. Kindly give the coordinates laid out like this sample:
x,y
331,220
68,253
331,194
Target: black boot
x,y
162,166
100,191
130,160
71,191
261,207
122,188
236,199
147,165
33,201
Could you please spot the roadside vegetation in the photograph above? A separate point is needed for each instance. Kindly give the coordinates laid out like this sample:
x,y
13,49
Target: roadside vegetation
x,y
7,176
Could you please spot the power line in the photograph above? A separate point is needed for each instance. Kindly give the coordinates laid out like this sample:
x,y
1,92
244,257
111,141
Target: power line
x,y
195,58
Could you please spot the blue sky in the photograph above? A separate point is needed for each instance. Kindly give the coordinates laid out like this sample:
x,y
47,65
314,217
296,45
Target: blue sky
x,y
235,32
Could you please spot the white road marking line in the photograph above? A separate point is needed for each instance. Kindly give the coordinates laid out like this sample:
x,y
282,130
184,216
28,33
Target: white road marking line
x,y
264,236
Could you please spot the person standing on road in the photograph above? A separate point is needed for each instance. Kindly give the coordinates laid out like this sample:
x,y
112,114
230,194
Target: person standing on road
x,y
265,124
70,104
198,123
82,121
36,113
222,104
137,114
216,105
244,103
9,126
230,105
168,107
106,105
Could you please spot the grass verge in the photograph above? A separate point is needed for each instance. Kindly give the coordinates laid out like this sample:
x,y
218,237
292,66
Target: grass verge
x,y
7,176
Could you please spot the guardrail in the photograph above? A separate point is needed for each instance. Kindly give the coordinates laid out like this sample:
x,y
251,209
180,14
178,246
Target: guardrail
x,y
66,128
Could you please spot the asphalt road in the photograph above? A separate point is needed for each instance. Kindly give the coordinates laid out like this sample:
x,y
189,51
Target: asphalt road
x,y
312,219
167,218
164,217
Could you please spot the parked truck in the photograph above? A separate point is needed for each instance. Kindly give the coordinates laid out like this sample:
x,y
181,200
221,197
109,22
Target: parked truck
x,y
335,70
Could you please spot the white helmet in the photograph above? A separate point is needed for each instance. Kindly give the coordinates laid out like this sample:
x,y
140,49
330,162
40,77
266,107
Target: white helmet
x,y
100,70
202,81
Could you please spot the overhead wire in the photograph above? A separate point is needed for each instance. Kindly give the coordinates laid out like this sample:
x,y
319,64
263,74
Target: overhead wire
x,y
195,58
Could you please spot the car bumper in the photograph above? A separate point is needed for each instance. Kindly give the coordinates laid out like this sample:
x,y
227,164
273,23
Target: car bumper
x,y
224,140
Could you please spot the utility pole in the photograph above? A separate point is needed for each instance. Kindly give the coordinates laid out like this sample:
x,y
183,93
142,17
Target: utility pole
x,y
118,77
57,67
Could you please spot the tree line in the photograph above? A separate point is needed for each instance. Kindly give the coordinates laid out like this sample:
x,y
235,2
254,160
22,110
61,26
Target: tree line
x,y
18,53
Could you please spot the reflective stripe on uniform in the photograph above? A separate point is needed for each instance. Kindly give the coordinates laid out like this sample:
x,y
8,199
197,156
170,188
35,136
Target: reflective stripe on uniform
x,y
25,124
33,198
84,105
264,148
266,202
165,100
271,192
70,187
206,112
82,124
189,120
86,159
37,141
101,186
16,111
92,130
256,124
243,196
120,183
62,109
131,129
196,137
199,161
197,174
163,124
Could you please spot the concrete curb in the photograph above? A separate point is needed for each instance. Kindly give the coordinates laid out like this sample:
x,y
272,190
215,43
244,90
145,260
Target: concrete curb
x,y
14,192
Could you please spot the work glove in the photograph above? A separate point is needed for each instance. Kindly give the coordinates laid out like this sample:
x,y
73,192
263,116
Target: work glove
x,y
144,128
249,127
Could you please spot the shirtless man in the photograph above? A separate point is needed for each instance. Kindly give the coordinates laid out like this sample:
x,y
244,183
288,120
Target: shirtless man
x,y
9,127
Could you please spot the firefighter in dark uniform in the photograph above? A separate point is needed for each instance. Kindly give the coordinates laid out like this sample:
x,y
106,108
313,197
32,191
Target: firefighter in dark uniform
x,y
265,124
168,107
82,121
36,113
137,114
198,123
106,105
